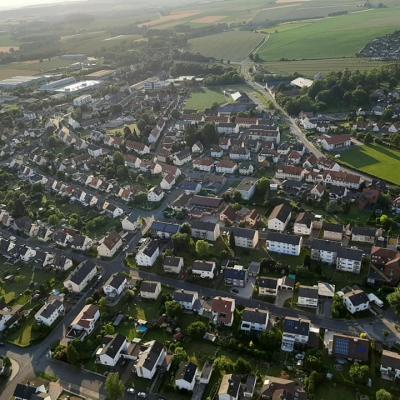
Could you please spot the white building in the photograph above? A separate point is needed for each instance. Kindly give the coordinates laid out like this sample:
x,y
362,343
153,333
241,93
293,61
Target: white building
x,y
149,359
349,260
204,269
246,238
185,298
308,296
254,320
279,217
79,279
50,312
150,290
205,230
283,243
185,377
148,254
110,353
115,285
356,300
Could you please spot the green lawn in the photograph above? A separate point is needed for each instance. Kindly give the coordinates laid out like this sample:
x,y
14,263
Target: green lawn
x,y
231,45
309,68
375,160
335,37
206,98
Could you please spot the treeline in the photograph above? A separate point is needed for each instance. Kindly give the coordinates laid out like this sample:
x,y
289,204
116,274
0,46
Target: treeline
x,y
342,90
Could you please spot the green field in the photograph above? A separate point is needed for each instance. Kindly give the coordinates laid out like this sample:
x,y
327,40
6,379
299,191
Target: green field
x,y
205,98
374,160
309,68
334,37
232,45
32,67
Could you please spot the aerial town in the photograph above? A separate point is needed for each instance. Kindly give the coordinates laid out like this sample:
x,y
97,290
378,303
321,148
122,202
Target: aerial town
x,y
174,225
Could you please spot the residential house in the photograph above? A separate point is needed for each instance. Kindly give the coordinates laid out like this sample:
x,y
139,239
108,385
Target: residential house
x,y
182,157
186,298
112,350
167,182
150,358
164,230
80,278
308,296
150,290
390,365
254,320
173,265
51,310
80,242
303,224
283,243
197,148
205,230
155,194
147,254
350,348
222,309
279,217
109,245
115,285
204,269
246,238
229,389
336,142
130,223
324,250
226,167
356,300
268,286
185,377
274,388
247,188
9,316
84,323
364,234
235,276
333,231
349,260
296,331
203,164
290,172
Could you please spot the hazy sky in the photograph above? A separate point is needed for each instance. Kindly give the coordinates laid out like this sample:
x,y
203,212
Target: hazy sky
x,y
9,4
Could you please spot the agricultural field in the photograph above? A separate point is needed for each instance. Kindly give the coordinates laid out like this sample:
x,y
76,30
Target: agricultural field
x,y
309,68
33,67
334,37
375,160
232,45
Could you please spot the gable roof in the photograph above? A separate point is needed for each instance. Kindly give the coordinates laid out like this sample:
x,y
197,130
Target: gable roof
x,y
280,212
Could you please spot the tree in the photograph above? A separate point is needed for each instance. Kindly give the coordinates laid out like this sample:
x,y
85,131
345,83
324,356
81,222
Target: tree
x,y
262,187
108,329
368,138
312,381
383,394
242,366
185,228
182,243
197,329
203,248
118,158
114,387
394,300
359,373
72,354
232,244
173,309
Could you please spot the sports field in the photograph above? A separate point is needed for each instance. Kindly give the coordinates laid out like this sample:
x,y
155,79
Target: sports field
x,y
374,160
205,98
333,37
232,45
309,68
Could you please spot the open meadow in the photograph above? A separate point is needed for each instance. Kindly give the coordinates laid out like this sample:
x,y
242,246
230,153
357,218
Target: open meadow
x,y
232,45
375,160
335,37
309,68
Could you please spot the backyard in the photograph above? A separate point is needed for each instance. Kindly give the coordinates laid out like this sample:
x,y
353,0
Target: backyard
x,y
204,98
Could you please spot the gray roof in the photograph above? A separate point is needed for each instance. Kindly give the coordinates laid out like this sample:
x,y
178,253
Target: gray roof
x,y
243,232
153,355
202,265
83,270
325,245
254,315
350,254
281,212
184,295
333,227
309,292
116,280
172,261
283,238
148,286
269,283
296,326
114,345
186,371
203,225
364,230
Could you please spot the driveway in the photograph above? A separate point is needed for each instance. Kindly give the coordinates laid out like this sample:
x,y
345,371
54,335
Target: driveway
x,y
247,291
325,308
282,296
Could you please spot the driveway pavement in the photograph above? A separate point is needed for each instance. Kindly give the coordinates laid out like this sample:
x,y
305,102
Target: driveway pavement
x,y
247,291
